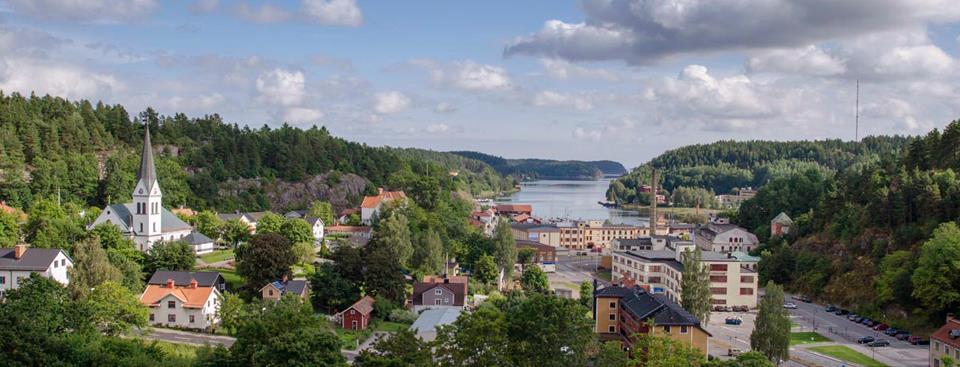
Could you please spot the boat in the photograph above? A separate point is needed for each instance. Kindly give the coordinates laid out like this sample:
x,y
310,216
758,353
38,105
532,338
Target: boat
x,y
606,204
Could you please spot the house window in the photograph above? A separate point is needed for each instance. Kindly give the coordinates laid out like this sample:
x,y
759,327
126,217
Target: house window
x,y
63,262
55,263
19,281
746,291
613,305
718,291
154,226
666,329
437,301
718,278
171,318
141,227
612,329
270,292
613,317
353,312
718,301
683,329
151,317
3,280
438,291
718,267
171,304
746,279
192,319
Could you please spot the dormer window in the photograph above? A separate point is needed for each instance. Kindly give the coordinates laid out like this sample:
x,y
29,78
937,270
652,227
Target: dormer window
x,y
438,291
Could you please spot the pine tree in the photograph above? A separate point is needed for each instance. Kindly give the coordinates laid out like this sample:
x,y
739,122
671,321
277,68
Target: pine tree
x,y
695,286
771,333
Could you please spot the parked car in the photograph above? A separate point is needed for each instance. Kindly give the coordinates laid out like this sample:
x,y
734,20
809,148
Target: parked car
x,y
733,321
891,331
743,308
831,308
881,327
734,352
718,308
805,299
852,317
867,322
918,340
841,312
865,339
859,319
880,343
790,306
903,335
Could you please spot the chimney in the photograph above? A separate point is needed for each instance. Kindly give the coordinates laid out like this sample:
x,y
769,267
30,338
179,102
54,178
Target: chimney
x,y
283,279
379,191
193,284
950,317
19,250
170,283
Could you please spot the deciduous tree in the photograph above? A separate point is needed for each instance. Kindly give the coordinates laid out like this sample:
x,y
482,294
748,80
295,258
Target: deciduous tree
x,y
91,267
535,280
114,309
330,291
485,270
505,248
771,333
270,222
936,281
393,235
266,258
695,286
169,256
297,230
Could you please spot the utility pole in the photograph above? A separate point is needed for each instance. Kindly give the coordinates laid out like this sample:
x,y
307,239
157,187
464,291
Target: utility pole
x,y
653,203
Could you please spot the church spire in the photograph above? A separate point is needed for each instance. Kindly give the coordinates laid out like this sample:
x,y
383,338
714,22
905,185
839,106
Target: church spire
x,y
148,171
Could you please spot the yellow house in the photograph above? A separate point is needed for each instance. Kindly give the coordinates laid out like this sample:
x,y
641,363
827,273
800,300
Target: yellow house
x,y
622,313
277,289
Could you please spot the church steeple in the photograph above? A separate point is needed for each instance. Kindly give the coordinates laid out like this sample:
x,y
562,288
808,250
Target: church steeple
x,y
148,171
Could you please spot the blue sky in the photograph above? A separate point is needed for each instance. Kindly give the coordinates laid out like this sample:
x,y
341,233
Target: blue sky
x,y
591,79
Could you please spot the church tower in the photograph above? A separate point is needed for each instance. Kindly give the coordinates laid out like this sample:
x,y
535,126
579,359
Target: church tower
x,y
147,226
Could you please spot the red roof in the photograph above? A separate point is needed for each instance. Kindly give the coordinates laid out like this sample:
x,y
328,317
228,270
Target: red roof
x,y
456,284
364,305
520,218
943,333
479,214
476,223
370,202
348,229
514,208
192,295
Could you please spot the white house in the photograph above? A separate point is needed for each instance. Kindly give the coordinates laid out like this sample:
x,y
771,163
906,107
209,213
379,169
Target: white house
x,y
17,263
189,306
145,220
316,225
725,237
370,206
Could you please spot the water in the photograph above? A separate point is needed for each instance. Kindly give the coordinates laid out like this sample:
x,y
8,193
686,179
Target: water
x,y
572,200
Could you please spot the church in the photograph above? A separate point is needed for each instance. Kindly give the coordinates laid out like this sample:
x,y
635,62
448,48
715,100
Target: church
x,y
145,220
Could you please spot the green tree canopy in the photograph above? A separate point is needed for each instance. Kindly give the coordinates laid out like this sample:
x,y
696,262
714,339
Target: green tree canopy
x,y
169,256
535,280
936,280
695,286
771,333
266,258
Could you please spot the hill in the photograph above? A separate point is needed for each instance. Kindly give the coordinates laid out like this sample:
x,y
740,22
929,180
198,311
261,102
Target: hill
x,y
532,169
87,154
879,238
724,166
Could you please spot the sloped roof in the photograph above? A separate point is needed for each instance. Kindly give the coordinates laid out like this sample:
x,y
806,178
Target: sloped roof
x,y
148,170
364,305
370,202
196,239
295,286
943,333
782,218
33,259
313,221
168,221
191,297
457,285
647,306
203,278
535,245
514,208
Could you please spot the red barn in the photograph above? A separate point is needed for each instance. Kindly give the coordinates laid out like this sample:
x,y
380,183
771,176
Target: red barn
x,y
357,316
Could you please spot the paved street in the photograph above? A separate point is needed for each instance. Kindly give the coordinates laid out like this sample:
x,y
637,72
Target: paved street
x,y
573,270
183,337
844,332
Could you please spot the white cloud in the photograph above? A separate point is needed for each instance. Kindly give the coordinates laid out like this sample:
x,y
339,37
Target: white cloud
x,y
642,31
444,107
61,80
391,102
809,60
587,134
301,115
552,98
466,75
265,13
333,12
281,87
561,69
85,10
437,128
203,102
205,6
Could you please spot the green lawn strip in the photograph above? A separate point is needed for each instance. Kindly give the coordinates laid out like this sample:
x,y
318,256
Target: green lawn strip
x,y
807,337
234,281
176,349
217,256
605,275
847,354
350,339
390,326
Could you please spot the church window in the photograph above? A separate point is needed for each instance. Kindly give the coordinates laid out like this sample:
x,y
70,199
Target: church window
x,y
141,227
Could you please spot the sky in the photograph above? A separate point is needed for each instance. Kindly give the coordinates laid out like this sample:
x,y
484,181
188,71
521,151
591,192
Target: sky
x,y
622,80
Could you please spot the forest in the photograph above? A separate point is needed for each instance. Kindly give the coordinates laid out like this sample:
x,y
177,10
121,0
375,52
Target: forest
x,y
724,166
88,153
533,169
879,237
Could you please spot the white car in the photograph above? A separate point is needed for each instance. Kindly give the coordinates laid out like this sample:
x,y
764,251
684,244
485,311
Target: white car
x,y
790,306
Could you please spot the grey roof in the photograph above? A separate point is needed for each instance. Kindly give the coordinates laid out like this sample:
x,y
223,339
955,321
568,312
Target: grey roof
x,y
148,171
313,221
34,259
630,242
434,317
168,221
535,226
229,216
782,218
666,257
295,214
295,286
255,216
196,238
647,306
204,278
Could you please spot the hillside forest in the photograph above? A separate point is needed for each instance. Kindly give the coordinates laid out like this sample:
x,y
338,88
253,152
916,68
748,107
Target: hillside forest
x,y
86,153
879,236
533,169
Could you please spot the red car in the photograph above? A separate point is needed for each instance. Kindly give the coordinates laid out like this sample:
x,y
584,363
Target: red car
x,y
916,340
881,327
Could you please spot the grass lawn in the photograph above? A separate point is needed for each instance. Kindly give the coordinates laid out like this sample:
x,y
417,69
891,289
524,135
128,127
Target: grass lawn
x,y
217,256
350,339
847,354
181,350
808,337
605,275
233,280
390,326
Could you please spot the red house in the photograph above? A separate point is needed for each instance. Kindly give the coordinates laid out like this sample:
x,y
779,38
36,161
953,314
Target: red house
x,y
357,316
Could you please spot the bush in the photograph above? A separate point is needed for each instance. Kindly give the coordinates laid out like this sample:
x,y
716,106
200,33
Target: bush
x,y
402,316
382,307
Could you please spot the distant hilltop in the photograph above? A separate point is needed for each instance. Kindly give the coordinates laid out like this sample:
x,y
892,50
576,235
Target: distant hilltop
x,y
531,169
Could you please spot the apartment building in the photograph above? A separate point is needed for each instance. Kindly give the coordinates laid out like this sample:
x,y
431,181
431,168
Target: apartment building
x,y
547,234
623,312
725,237
731,283
582,235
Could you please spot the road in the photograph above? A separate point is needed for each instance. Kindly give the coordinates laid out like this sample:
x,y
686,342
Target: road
x,y
573,270
899,354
